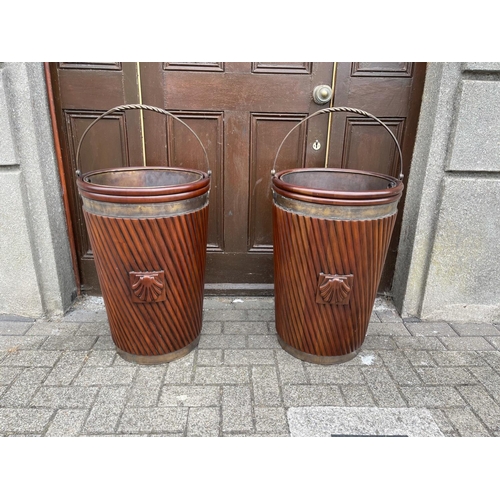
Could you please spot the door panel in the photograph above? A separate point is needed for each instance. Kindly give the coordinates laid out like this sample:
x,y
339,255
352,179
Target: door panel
x,y
186,151
363,136
267,131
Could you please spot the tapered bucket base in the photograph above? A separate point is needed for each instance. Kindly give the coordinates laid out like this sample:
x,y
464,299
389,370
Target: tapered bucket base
x,y
313,358
162,358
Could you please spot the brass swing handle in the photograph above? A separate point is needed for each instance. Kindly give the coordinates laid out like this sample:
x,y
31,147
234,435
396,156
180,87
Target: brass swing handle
x,y
126,107
345,110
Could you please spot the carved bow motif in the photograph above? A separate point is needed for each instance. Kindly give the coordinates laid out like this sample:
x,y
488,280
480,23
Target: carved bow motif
x,y
147,286
334,288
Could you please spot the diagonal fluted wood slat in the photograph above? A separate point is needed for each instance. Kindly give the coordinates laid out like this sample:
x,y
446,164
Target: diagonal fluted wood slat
x,y
175,245
304,247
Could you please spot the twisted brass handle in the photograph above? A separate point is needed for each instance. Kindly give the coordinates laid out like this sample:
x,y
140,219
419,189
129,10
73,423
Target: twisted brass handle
x,y
346,110
126,107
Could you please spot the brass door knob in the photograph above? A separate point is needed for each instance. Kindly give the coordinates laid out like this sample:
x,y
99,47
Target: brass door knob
x,y
322,94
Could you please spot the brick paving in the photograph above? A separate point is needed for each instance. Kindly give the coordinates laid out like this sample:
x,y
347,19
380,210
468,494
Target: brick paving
x,y
64,378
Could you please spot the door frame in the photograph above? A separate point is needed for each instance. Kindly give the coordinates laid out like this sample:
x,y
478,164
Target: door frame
x,y
62,177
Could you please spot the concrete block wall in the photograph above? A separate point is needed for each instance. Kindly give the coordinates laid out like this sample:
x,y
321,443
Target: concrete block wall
x,y
36,275
448,264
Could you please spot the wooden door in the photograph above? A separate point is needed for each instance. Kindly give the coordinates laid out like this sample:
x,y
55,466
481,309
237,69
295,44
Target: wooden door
x,y
82,91
241,112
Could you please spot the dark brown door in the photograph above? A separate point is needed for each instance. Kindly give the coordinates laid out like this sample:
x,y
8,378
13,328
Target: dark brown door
x,y
241,112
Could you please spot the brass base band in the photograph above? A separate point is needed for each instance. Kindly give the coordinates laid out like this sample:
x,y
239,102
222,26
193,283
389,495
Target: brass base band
x,y
335,212
162,358
314,358
144,210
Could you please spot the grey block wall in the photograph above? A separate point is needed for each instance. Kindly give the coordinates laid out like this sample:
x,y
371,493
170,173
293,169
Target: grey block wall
x,y
448,265
36,275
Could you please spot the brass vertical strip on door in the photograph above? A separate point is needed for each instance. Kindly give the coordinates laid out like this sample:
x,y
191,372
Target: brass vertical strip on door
x,y
330,116
139,88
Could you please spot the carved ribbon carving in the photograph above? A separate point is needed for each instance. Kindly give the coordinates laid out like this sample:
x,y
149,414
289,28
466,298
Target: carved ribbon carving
x,y
334,289
148,286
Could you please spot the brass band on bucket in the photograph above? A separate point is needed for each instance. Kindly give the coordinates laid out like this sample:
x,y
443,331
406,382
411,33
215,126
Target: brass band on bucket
x,y
161,358
144,210
314,358
335,212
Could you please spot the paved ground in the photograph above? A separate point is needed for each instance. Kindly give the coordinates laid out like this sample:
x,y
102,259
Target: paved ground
x,y
63,378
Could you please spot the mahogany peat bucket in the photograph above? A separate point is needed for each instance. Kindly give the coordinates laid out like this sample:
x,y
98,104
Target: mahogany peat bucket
x,y
331,233
148,232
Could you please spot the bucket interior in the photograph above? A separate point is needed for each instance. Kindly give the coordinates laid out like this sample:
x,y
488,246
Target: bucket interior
x,y
337,180
143,178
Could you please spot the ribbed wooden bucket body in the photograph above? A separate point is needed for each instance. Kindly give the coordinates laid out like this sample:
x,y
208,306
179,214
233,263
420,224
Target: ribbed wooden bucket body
x,y
149,245
329,250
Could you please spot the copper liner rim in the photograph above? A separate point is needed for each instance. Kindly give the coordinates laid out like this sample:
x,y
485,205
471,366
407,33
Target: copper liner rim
x,y
144,199
160,194
85,185
333,201
361,197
